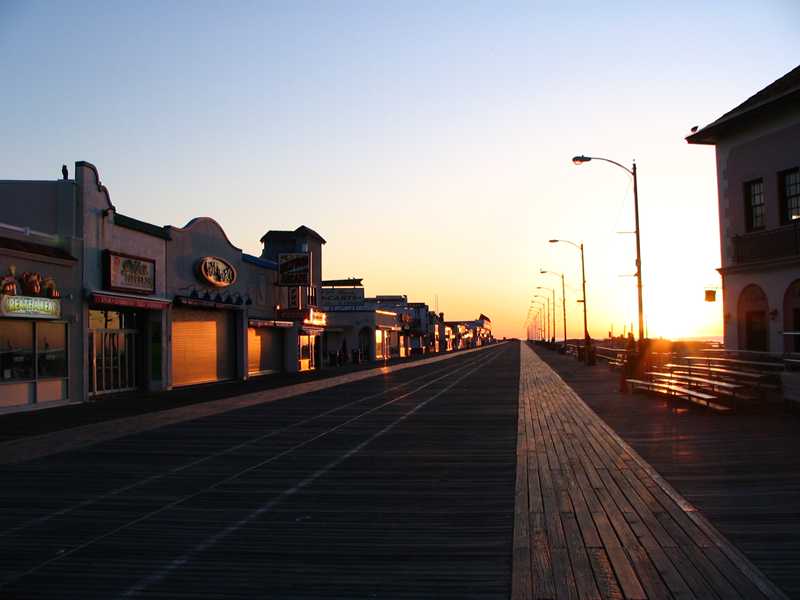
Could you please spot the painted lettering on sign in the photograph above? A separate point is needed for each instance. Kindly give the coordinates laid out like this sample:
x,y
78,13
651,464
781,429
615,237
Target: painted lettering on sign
x,y
294,269
216,271
131,273
30,306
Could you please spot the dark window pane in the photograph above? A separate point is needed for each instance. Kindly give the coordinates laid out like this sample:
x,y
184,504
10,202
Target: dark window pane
x,y
754,196
16,350
791,193
51,346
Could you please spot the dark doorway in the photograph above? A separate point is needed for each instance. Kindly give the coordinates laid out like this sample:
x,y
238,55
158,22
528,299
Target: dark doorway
x,y
756,331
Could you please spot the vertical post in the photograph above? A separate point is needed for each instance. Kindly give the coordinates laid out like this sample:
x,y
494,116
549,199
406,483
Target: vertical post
x,y
583,286
638,258
547,315
564,308
553,337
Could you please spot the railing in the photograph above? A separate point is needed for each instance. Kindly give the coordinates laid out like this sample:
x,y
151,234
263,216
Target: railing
x,y
767,245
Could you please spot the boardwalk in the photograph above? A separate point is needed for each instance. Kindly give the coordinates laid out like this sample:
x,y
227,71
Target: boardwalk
x,y
480,476
741,471
593,520
396,486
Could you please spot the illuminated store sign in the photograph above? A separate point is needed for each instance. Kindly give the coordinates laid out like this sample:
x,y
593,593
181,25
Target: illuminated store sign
x,y
30,306
216,271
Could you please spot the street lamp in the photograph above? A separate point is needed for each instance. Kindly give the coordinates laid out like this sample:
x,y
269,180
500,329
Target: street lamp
x,y
547,308
540,287
540,307
563,299
579,160
583,285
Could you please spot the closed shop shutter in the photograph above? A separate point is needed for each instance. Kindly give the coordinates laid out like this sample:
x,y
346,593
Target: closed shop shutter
x,y
203,346
264,350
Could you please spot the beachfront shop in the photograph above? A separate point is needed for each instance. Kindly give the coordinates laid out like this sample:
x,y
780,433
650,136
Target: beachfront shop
x,y
204,340
37,362
126,323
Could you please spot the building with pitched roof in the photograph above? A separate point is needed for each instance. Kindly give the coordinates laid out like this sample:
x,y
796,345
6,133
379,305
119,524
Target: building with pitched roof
x,y
758,178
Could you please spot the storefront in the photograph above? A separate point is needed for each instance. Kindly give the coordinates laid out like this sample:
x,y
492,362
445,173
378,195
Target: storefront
x,y
203,343
208,322
304,351
33,349
368,332
265,346
125,342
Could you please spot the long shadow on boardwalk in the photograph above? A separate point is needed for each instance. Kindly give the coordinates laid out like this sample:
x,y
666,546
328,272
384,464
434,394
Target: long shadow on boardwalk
x,y
742,471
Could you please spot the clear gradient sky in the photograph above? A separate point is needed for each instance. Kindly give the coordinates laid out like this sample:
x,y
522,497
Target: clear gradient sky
x,y
429,143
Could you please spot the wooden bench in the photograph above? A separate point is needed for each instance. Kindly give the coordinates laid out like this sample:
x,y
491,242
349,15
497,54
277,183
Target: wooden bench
x,y
716,386
722,371
670,389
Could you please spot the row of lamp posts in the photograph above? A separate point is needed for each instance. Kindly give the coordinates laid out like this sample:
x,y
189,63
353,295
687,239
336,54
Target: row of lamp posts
x,y
579,160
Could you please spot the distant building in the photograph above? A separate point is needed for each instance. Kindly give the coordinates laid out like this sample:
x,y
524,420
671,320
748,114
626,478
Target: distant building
x,y
758,177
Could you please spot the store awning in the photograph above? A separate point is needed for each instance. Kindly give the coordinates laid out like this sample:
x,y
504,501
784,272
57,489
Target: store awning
x,y
129,300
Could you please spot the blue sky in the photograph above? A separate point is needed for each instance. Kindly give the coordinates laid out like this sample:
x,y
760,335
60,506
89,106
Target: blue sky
x,y
428,143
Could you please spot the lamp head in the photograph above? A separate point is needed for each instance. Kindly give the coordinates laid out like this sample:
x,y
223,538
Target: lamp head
x,y
553,241
578,160
543,271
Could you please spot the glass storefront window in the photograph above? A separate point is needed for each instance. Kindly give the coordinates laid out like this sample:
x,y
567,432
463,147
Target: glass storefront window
x,y
16,350
51,349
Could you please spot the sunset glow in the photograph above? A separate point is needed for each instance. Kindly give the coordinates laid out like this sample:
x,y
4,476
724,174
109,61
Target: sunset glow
x,y
432,148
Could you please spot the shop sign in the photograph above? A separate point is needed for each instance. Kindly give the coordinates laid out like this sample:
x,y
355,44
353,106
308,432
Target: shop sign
x,y
109,300
316,317
269,323
130,273
216,271
308,316
30,307
294,269
342,296
294,297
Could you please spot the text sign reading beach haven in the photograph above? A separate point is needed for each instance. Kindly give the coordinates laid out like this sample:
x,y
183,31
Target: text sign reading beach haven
x,y
294,269
216,271
131,273
29,306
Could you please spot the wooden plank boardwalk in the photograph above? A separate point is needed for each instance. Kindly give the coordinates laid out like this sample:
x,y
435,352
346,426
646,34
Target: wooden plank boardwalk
x,y
594,520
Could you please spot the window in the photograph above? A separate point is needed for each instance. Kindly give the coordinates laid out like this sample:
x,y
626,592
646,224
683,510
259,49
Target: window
x,y
789,185
16,350
51,349
754,204
19,362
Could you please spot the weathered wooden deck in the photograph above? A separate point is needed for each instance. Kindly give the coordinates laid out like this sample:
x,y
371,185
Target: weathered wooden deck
x,y
594,520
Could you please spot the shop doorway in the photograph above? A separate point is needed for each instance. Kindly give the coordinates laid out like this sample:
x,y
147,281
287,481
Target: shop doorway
x,y
114,351
307,351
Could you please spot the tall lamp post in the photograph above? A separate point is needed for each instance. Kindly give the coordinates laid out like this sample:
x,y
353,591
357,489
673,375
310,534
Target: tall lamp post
x,y
553,290
547,308
579,160
563,299
583,286
542,310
